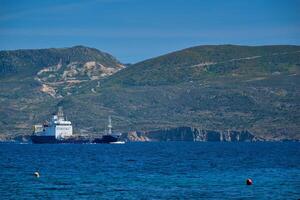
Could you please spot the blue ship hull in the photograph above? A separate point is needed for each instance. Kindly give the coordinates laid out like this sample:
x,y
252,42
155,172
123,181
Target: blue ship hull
x,y
107,139
36,139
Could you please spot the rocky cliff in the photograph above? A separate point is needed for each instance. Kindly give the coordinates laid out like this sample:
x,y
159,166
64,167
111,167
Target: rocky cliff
x,y
191,134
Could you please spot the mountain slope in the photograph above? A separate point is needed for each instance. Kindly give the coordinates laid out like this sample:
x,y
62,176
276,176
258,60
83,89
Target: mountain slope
x,y
29,62
201,62
223,88
33,82
57,71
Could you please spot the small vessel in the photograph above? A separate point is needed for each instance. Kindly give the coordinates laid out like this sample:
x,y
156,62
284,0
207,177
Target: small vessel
x,y
58,130
110,137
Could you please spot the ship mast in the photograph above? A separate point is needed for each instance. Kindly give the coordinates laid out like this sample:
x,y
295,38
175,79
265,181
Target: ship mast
x,y
109,126
60,113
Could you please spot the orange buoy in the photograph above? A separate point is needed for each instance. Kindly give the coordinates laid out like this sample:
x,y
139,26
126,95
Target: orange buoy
x,y
249,181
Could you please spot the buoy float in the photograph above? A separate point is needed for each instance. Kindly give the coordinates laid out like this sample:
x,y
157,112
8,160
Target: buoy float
x,y
37,174
249,181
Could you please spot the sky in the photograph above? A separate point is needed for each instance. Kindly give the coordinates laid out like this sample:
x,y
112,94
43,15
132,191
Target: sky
x,y
134,30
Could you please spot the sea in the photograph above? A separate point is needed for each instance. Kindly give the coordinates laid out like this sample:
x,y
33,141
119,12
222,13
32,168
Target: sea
x,y
154,170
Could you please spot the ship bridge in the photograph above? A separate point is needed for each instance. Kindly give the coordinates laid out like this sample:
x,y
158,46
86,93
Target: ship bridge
x,y
58,126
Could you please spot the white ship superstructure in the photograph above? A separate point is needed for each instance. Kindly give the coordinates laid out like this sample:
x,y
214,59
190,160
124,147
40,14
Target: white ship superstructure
x,y
58,127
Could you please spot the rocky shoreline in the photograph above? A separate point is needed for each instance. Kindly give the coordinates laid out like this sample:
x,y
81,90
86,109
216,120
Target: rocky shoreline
x,y
191,134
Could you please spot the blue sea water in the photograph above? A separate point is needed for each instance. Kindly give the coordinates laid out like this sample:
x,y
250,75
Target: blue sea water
x,y
169,170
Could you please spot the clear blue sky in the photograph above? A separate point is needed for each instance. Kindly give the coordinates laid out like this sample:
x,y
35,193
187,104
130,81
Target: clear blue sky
x,y
133,30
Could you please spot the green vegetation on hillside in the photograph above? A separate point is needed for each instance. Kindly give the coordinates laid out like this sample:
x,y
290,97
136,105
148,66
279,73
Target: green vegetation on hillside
x,y
222,87
29,62
203,62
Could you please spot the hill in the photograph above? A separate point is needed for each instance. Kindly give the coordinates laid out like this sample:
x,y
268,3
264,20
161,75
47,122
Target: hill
x,y
222,87
211,61
33,82
219,88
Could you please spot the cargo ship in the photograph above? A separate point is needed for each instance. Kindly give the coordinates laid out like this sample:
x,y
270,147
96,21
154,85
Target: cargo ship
x,y
57,131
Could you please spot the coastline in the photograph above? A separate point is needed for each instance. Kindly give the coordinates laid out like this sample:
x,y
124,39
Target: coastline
x,y
186,134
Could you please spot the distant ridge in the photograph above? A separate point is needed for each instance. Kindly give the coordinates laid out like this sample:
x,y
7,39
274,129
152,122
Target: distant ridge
x,y
29,61
210,60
